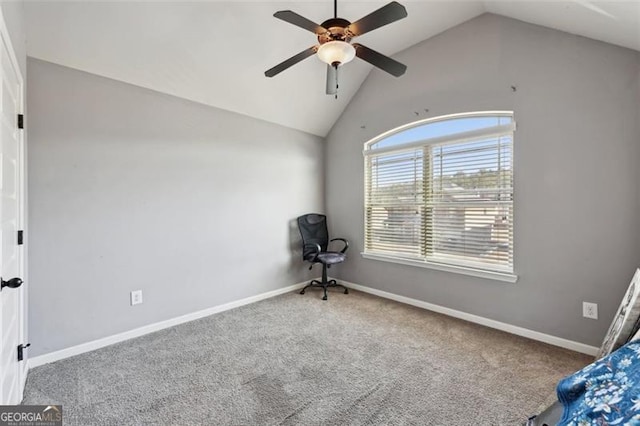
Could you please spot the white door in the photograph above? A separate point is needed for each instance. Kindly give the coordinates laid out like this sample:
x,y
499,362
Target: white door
x,y
12,372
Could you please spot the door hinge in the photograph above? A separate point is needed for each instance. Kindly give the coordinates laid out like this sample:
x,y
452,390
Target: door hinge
x,y
21,349
20,121
20,237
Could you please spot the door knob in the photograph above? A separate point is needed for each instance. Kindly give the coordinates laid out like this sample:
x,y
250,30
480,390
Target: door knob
x,y
12,283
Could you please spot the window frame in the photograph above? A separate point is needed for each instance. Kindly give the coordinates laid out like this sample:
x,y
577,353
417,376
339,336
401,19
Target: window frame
x,y
461,267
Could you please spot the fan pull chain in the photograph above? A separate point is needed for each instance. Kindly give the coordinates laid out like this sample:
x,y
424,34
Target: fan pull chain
x,y
337,84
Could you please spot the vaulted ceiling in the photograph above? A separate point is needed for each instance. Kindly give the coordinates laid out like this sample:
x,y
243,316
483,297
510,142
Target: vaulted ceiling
x,y
216,52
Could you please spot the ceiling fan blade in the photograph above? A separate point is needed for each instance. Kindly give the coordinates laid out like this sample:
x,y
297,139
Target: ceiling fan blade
x,y
376,59
379,18
299,21
291,61
332,80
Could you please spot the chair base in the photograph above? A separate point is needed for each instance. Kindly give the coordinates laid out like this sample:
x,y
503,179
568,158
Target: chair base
x,y
331,283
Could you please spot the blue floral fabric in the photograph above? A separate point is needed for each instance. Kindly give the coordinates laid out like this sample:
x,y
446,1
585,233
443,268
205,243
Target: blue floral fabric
x,y
606,392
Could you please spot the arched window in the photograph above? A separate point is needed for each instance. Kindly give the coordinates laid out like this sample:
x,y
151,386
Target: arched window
x,y
439,193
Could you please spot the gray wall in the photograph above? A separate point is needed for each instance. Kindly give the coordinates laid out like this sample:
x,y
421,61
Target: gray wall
x,y
577,223
131,189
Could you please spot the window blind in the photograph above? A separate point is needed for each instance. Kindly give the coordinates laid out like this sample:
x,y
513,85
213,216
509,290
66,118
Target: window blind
x,y
394,203
447,200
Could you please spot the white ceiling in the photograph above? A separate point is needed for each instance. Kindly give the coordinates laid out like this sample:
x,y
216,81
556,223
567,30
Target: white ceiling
x,y
216,52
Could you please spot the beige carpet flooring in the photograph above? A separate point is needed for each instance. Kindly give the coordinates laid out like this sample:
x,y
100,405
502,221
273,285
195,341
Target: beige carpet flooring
x,y
295,360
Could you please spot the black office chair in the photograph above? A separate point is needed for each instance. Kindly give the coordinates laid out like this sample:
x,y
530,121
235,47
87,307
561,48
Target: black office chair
x,y
315,242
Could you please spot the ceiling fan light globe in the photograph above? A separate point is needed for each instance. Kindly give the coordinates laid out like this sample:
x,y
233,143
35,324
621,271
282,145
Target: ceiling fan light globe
x,y
336,51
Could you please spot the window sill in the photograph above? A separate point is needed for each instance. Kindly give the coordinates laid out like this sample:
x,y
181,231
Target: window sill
x,y
499,276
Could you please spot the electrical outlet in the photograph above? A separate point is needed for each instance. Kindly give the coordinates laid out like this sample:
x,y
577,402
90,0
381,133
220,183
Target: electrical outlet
x,y
590,310
136,297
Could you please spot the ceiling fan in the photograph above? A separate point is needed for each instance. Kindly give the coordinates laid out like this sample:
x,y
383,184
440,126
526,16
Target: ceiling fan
x,y
335,47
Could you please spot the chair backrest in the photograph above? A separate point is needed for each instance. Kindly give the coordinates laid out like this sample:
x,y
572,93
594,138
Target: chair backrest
x,y
313,228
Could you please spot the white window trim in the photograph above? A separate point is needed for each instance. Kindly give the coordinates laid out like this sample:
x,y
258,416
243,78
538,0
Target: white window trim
x,y
435,120
456,138
480,273
487,132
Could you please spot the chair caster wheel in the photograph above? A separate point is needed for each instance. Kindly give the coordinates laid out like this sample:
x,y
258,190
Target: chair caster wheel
x,y
324,298
302,292
346,291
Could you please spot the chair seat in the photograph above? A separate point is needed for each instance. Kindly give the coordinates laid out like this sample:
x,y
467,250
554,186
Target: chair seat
x,y
331,257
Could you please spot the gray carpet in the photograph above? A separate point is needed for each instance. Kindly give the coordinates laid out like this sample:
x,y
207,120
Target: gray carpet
x,y
355,359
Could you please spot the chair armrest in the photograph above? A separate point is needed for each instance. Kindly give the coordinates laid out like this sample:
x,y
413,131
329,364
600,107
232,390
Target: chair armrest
x,y
318,250
346,244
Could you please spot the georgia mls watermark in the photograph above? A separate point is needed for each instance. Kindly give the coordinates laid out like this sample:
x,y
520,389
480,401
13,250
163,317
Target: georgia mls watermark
x,y
30,415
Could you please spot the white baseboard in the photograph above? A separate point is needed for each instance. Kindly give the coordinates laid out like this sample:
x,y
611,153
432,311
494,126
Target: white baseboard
x,y
524,332
141,331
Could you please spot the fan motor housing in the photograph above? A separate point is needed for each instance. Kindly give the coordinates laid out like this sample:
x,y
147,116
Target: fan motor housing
x,y
337,30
